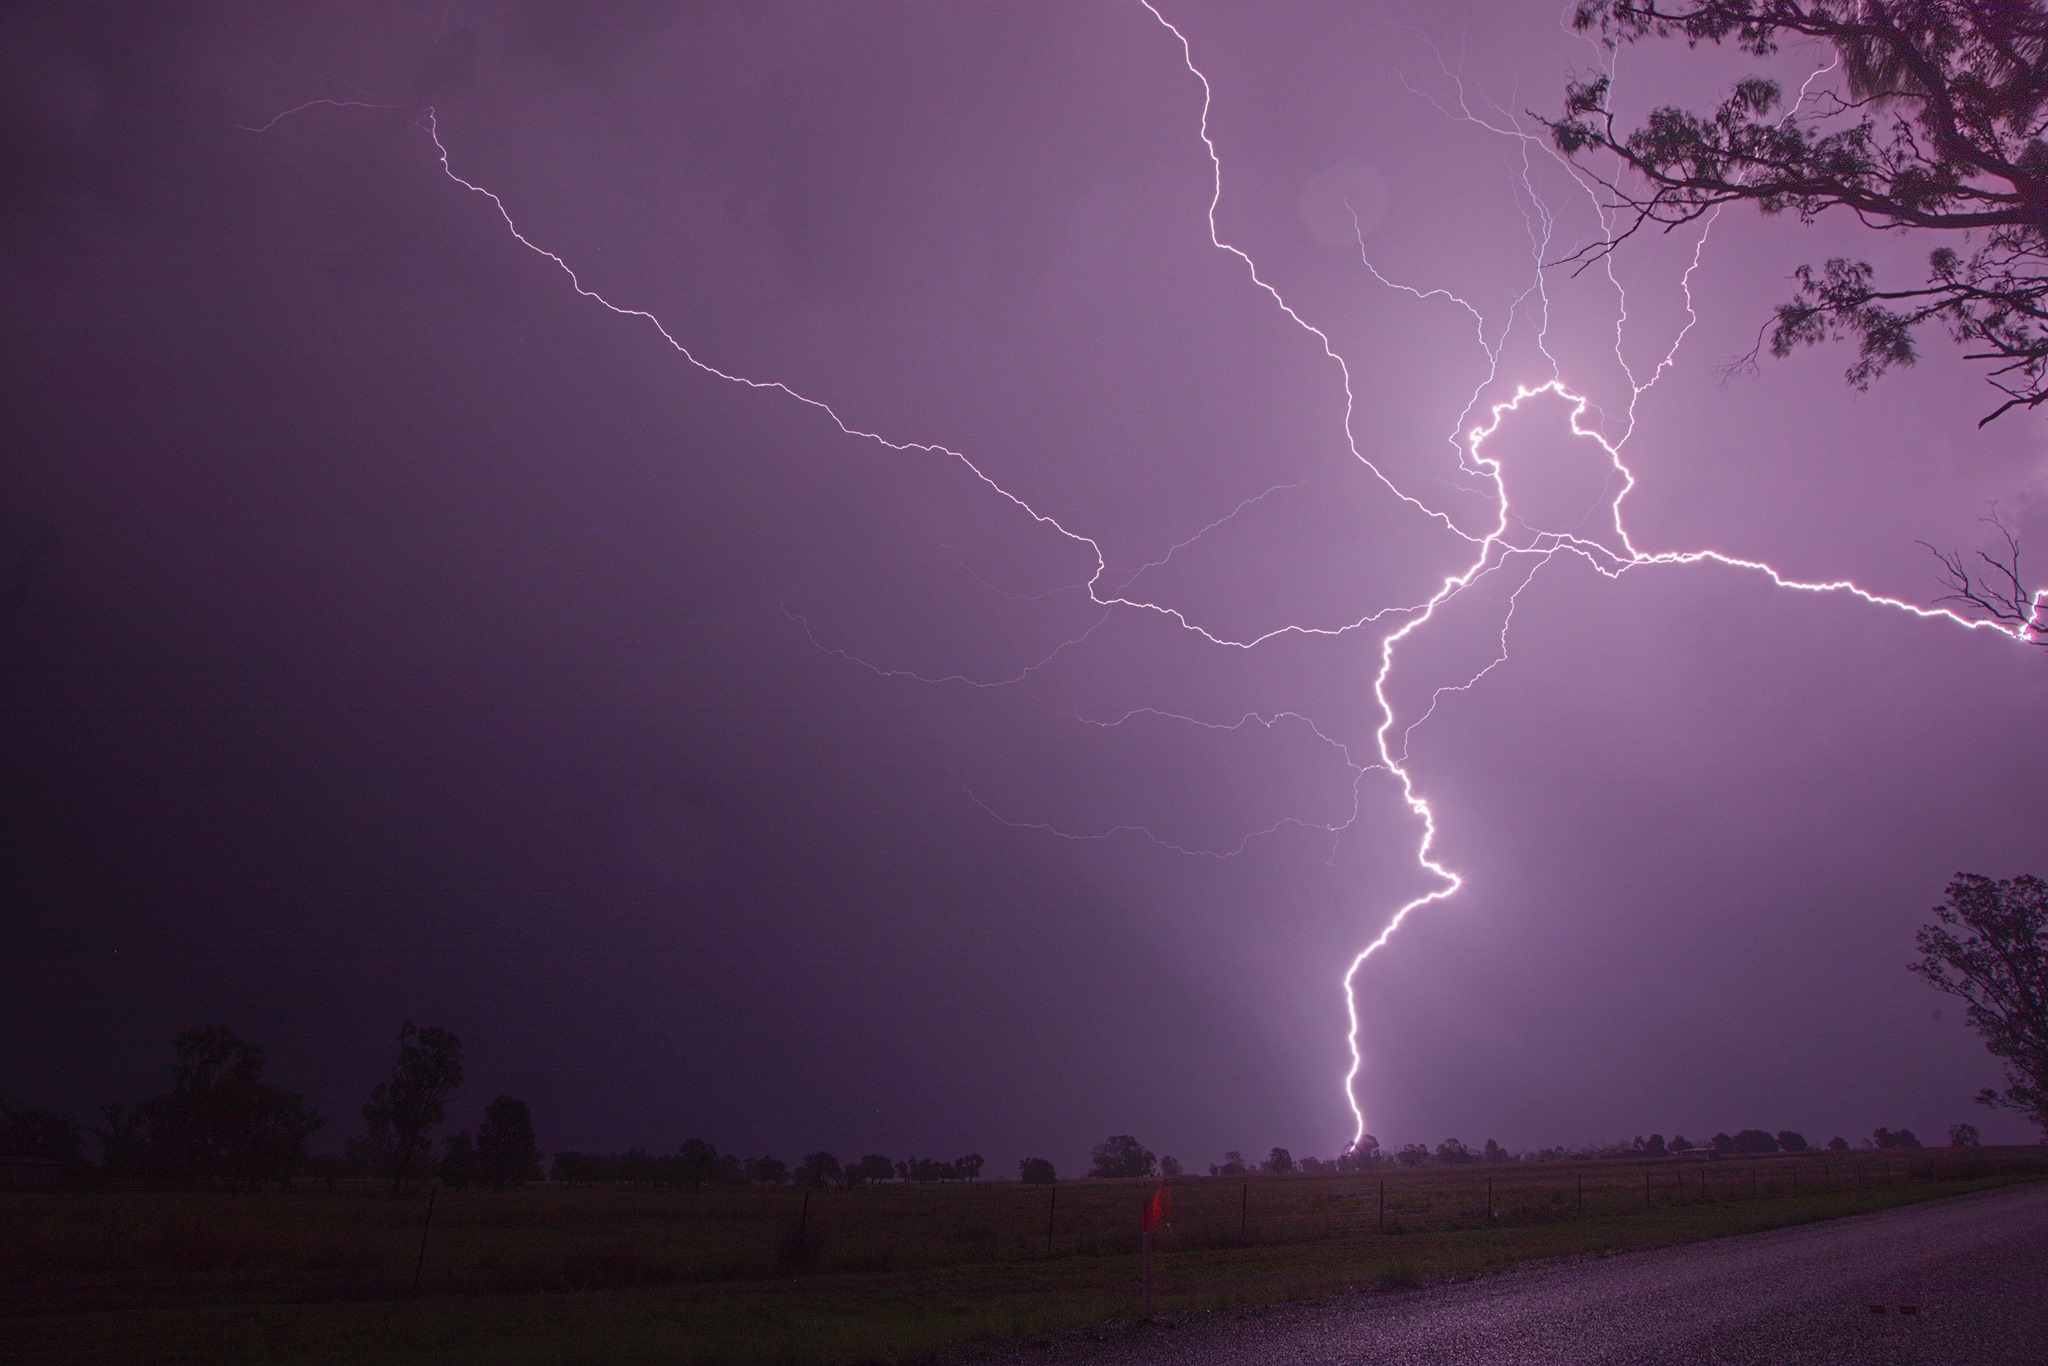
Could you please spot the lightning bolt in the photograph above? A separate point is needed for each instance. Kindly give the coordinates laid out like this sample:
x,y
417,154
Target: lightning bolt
x,y
1493,549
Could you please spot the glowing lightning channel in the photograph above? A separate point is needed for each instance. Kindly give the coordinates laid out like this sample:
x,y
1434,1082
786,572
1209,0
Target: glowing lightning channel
x,y
1548,544
1492,550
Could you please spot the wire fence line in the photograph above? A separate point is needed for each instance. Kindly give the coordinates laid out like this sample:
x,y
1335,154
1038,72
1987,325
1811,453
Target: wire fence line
x,y
355,1236
897,1226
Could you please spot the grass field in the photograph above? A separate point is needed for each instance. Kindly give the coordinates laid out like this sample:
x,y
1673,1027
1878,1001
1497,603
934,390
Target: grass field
x,y
593,1275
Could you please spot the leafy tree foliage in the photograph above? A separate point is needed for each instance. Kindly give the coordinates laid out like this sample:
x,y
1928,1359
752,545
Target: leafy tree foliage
x,y
1279,1160
403,1110
458,1167
1412,1155
925,1170
1036,1171
1791,1141
819,1170
1938,126
1452,1153
767,1171
638,1167
695,1159
28,1132
506,1153
220,1123
1122,1155
1887,1138
1838,1144
1989,946
1233,1164
875,1167
1170,1166
968,1168
1364,1153
1963,1135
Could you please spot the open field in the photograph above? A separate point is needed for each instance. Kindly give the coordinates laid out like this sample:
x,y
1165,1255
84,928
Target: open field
x,y
893,1273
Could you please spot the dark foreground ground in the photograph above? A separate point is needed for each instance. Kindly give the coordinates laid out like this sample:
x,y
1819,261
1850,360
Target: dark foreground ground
x,y
593,1276
1948,1283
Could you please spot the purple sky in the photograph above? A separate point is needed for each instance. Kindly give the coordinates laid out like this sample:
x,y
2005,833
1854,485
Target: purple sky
x,y
391,632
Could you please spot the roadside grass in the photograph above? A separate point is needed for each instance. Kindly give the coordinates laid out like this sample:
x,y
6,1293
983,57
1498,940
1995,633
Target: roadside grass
x,y
599,1275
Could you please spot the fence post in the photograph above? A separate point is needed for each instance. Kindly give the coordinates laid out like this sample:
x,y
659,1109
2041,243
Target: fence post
x,y
1052,1208
1148,1271
420,1263
803,1219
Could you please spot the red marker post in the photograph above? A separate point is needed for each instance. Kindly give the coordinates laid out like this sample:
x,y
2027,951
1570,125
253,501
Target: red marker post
x,y
1154,1213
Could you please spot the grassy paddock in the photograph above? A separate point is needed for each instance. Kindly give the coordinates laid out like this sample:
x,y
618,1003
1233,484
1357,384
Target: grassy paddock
x,y
594,1275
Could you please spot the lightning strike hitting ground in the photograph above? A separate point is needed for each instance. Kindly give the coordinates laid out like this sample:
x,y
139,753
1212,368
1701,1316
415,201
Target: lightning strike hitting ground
x,y
1494,549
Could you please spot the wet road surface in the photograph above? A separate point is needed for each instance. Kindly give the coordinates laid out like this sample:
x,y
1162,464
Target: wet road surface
x,y
1973,1269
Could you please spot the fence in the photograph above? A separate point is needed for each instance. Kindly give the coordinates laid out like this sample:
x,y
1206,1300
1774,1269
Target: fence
x,y
555,1237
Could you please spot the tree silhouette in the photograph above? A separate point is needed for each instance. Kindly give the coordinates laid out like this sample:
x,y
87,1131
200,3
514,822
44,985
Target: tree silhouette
x,y
1991,588
694,1160
1364,1153
1989,946
459,1166
506,1154
403,1110
1939,129
1121,1155
28,1132
818,1170
1036,1171
220,1123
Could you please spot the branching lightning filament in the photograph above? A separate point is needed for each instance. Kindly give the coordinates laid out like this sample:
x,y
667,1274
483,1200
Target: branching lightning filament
x,y
1507,548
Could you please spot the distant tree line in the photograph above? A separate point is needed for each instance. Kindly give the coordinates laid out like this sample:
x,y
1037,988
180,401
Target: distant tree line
x,y
222,1123
1450,1153
698,1163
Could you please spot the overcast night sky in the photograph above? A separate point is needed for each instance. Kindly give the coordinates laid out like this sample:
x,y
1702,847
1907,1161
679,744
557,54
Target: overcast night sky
x,y
390,632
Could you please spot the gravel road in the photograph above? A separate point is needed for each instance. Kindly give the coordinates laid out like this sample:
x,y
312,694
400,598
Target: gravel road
x,y
1962,1282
